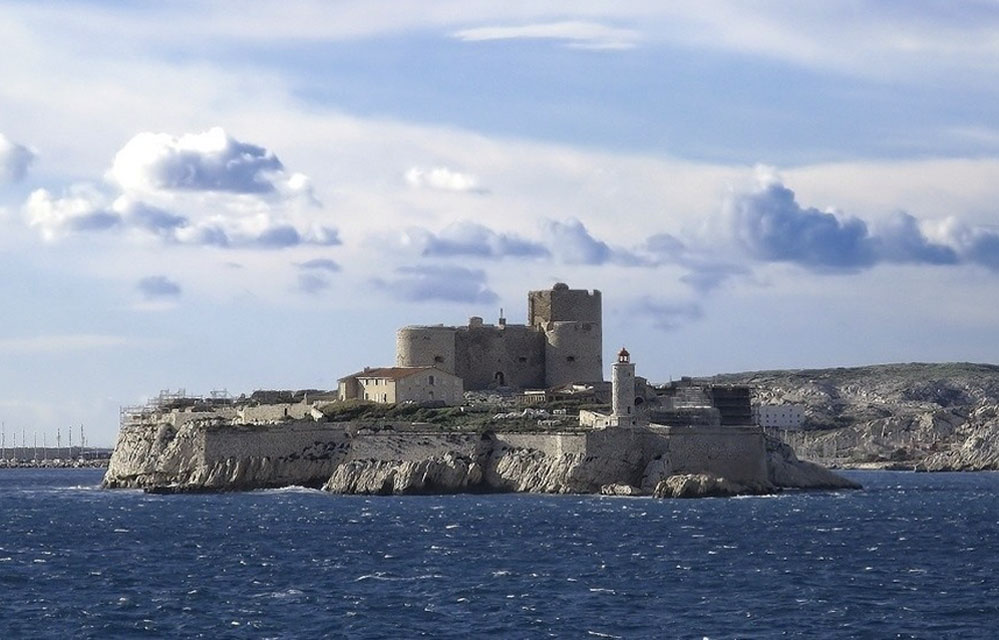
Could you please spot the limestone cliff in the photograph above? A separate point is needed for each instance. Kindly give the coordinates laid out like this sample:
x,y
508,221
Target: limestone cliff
x,y
207,454
924,416
203,455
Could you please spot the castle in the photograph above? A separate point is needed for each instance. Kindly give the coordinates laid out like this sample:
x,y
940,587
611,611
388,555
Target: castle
x,y
561,343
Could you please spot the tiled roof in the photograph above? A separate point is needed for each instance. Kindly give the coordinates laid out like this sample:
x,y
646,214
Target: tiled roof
x,y
393,373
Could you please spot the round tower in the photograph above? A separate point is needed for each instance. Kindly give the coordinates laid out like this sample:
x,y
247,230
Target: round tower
x,y
623,389
432,346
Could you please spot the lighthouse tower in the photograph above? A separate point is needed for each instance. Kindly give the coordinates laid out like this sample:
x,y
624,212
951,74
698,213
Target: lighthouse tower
x,y
623,390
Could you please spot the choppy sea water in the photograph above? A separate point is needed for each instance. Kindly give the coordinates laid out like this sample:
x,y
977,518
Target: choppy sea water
x,y
911,555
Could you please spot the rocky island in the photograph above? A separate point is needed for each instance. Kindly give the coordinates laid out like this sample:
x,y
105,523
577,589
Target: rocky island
x,y
476,408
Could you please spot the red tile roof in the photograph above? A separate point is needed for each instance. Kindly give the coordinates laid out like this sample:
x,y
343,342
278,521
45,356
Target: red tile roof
x,y
393,373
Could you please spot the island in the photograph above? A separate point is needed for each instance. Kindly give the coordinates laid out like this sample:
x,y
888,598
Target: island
x,y
476,408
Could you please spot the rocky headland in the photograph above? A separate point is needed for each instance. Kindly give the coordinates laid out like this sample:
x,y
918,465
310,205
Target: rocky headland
x,y
932,417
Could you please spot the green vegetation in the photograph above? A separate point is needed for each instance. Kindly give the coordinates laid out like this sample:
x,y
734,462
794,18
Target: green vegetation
x,y
468,418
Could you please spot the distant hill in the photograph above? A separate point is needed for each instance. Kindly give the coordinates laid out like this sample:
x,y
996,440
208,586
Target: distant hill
x,y
925,415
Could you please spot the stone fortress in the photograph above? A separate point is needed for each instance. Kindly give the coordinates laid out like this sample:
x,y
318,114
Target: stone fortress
x,y
677,440
561,343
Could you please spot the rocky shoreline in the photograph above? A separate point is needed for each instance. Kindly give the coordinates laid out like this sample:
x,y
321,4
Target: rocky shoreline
x,y
202,455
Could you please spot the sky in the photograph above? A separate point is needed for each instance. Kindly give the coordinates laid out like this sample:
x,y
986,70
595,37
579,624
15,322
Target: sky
x,y
203,197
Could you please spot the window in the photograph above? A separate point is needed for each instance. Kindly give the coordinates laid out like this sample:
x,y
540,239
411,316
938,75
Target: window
x,y
570,359
430,380
439,359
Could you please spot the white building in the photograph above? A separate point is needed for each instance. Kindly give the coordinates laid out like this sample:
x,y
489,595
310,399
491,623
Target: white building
x,y
392,385
779,416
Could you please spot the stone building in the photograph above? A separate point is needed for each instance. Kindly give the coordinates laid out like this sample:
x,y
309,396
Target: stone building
x,y
391,385
561,343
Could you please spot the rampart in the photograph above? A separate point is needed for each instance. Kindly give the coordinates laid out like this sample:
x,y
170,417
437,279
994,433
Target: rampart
x,y
209,455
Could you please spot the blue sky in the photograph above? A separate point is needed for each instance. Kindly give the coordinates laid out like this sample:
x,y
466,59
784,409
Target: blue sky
x,y
197,197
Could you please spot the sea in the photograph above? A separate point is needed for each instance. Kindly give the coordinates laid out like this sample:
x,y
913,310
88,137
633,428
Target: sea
x,y
909,556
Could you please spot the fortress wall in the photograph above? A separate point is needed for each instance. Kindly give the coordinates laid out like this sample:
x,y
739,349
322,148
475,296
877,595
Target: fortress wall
x,y
573,353
180,418
734,453
515,352
270,441
426,347
550,444
273,412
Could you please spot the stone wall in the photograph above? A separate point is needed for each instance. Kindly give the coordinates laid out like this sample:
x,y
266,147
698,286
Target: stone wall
x,y
560,303
432,346
573,353
562,343
215,456
510,355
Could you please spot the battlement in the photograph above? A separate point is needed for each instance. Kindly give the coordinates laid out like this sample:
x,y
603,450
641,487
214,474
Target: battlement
x,y
562,304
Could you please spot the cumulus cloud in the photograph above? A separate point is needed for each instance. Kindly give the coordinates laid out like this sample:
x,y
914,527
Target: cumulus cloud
x,y
470,239
901,240
975,245
437,282
572,243
158,287
573,34
14,160
85,208
443,179
195,189
771,226
666,315
208,161
705,271
81,209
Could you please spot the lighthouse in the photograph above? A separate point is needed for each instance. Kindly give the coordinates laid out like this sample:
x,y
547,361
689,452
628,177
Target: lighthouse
x,y
623,390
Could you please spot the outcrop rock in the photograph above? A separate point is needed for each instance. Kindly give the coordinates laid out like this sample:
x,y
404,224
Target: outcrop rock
x,y
785,470
698,485
618,489
449,473
978,452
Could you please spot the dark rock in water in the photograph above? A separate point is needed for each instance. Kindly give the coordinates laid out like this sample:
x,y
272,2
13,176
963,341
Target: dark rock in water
x,y
696,485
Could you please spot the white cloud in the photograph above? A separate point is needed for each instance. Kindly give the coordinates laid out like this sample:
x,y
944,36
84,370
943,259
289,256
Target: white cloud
x,y
574,33
83,208
442,179
203,189
207,161
14,160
